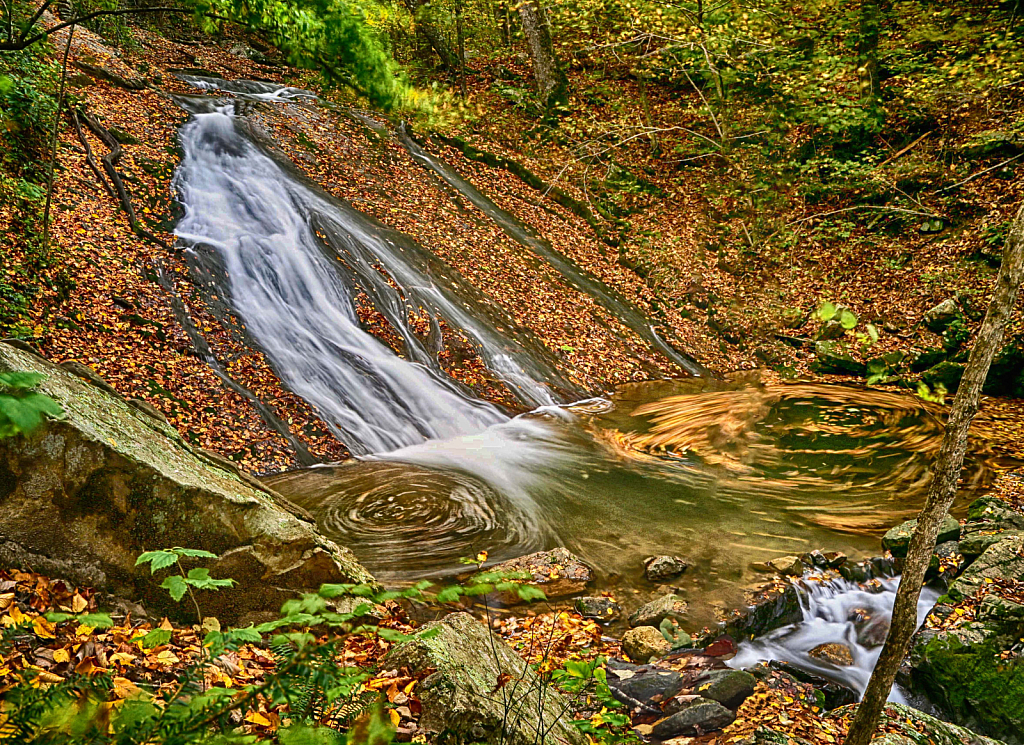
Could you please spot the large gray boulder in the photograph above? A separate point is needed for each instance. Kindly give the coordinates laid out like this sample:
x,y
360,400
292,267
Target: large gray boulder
x,y
82,497
1003,560
480,690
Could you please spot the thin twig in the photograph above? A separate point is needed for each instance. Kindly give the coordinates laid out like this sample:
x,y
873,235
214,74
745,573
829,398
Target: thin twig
x,y
982,173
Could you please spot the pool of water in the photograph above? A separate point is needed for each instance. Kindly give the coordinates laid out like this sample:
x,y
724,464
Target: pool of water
x,y
724,474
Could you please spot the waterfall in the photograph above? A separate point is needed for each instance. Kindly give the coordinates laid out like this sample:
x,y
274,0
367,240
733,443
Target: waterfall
x,y
291,260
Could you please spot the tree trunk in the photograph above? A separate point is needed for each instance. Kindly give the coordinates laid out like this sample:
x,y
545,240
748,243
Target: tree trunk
x,y
552,85
432,34
867,49
943,487
460,40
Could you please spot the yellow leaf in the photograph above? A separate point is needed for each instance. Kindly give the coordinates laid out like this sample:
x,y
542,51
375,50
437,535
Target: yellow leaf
x,y
254,717
395,718
481,557
124,688
168,657
83,630
43,628
121,658
61,655
79,604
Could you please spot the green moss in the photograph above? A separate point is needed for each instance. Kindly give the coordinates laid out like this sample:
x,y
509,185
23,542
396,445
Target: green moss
x,y
974,686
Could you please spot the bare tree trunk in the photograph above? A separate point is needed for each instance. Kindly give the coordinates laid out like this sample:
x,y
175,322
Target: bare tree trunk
x,y
943,487
461,47
867,48
552,85
432,34
53,141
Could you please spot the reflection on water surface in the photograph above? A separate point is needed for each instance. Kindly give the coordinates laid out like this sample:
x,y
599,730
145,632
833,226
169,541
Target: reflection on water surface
x,y
722,474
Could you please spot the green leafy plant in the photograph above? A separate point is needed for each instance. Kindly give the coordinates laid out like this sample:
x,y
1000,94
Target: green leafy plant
x,y
182,583
935,395
21,408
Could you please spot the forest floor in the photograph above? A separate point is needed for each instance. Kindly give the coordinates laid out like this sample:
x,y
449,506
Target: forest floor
x,y
134,313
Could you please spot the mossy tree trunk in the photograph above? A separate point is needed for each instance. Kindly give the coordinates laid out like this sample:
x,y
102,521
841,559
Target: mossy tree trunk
x,y
420,10
943,487
552,85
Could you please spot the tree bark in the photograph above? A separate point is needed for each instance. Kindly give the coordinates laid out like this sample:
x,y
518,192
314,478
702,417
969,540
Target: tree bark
x,y
432,34
552,85
867,48
943,487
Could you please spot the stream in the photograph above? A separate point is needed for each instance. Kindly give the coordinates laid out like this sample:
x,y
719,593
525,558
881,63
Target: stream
x,y
725,473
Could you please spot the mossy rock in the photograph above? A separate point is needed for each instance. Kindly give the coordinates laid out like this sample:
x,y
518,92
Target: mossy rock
x,y
947,374
971,684
897,539
477,690
832,358
82,497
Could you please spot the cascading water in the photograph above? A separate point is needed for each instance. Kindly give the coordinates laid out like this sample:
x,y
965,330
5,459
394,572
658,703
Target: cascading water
x,y
292,260
836,612
732,476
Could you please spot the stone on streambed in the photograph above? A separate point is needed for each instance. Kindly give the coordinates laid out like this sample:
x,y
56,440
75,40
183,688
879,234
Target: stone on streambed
x,y
698,717
640,686
598,608
557,572
656,611
1003,560
769,608
644,643
835,654
907,722
661,568
897,540
480,690
790,566
82,497
728,687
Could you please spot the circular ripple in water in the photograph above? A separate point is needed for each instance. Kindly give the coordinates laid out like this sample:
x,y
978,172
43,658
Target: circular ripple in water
x,y
406,521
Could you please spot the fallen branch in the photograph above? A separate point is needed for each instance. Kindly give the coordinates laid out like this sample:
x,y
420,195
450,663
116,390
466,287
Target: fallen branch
x,y
982,173
902,152
90,159
865,207
109,165
102,73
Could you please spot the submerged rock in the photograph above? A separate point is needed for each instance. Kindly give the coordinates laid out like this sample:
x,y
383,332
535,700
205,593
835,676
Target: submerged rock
x,y
656,611
697,718
644,643
82,497
660,568
479,690
599,608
